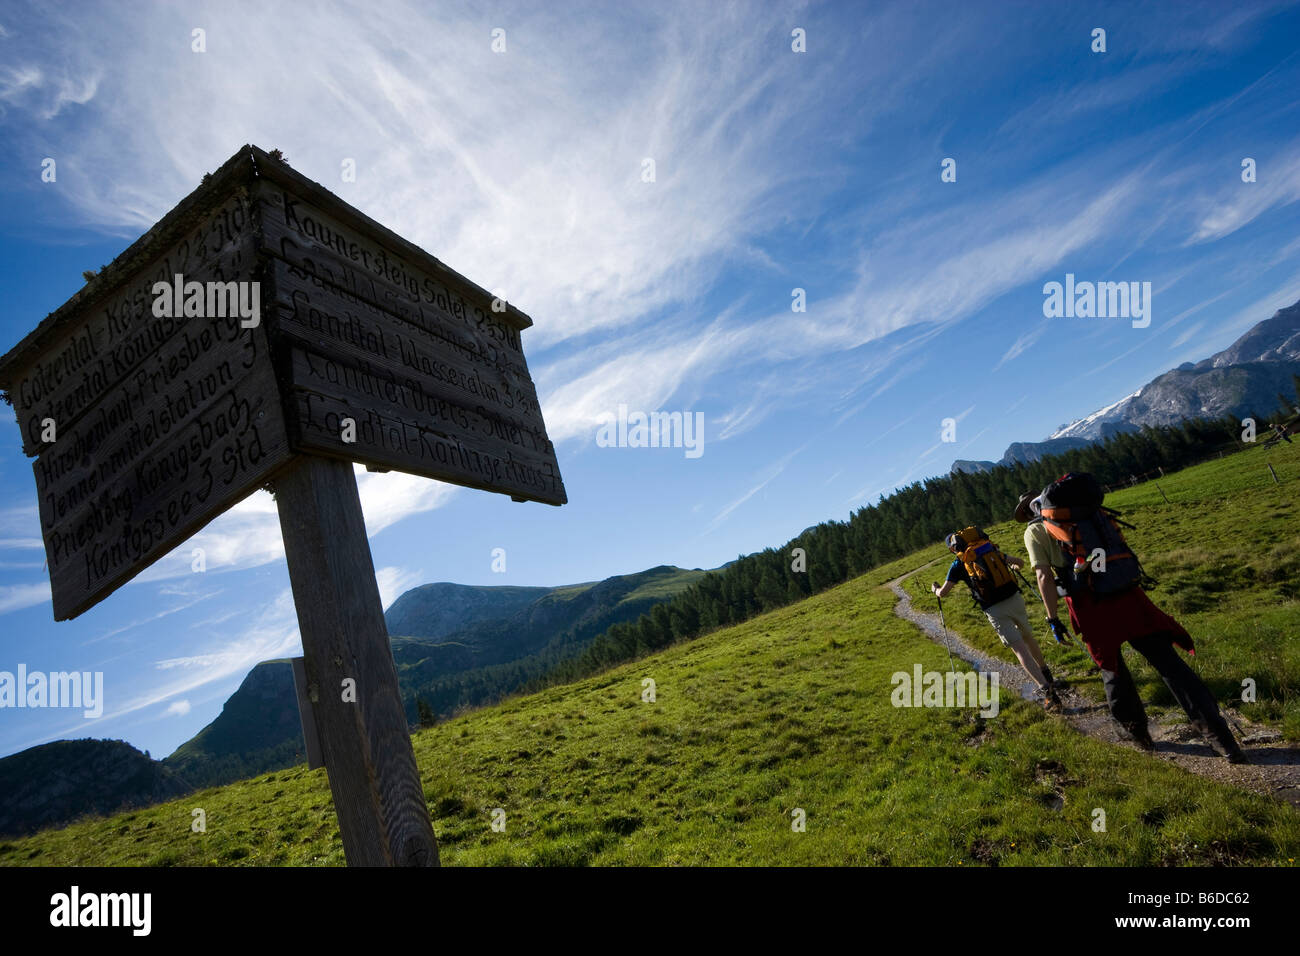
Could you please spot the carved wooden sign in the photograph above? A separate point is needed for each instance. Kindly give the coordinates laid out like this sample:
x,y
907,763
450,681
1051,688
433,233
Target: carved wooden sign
x,y
433,379
266,331
261,318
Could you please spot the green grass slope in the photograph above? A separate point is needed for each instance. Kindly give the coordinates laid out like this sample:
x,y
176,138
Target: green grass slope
x,y
1226,551
791,710
486,643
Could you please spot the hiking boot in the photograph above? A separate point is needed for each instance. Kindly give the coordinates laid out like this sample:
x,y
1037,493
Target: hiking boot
x,y
1222,742
1229,749
1052,681
1052,703
1141,736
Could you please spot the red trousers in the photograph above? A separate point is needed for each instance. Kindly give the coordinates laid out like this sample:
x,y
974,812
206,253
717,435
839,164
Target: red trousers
x,y
1106,623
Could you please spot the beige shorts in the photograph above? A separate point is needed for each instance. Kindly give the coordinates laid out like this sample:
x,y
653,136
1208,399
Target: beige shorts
x,y
1010,620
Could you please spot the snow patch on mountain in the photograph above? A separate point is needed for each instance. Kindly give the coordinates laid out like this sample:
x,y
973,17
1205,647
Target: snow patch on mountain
x,y
1089,427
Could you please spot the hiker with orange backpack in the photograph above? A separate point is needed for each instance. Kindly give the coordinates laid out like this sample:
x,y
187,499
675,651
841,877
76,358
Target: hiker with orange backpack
x,y
987,572
1074,541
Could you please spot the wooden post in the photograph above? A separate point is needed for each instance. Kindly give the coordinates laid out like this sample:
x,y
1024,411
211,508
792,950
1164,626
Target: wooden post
x,y
306,717
1162,491
364,739
1273,473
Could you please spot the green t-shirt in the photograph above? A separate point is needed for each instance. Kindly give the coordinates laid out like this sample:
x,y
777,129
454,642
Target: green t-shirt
x,y
1044,550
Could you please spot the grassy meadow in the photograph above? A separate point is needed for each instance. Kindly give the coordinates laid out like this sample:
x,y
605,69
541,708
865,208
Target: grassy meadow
x,y
791,711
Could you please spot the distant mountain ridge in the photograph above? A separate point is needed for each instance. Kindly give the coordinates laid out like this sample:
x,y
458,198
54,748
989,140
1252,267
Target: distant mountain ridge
x,y
258,727
57,782
1274,340
1239,380
438,610
455,646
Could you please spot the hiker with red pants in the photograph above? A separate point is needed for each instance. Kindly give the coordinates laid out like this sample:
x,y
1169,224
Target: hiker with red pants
x,y
1073,540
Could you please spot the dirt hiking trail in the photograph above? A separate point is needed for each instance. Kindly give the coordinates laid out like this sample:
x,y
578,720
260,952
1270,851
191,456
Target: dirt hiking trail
x,y
1274,768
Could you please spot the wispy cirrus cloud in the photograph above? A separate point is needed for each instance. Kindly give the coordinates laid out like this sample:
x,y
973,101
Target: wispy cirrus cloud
x,y
769,474
393,581
248,535
270,631
188,601
1022,344
19,544
15,597
552,211
1239,203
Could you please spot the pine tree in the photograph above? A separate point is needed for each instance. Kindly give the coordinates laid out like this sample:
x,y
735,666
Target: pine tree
x,y
425,712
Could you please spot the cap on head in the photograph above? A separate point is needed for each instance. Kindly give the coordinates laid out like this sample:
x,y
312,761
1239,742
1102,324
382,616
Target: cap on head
x,y
954,542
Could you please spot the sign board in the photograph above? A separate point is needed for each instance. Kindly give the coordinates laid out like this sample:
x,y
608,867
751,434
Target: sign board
x,y
146,426
434,380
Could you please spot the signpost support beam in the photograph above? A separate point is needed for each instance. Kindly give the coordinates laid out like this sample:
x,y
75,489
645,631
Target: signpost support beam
x,y
351,678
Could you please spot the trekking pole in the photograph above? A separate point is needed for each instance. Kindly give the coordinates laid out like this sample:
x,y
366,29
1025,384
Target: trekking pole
x,y
951,666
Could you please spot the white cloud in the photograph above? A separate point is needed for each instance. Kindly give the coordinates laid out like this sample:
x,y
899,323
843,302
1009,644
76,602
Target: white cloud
x,y
548,209
387,498
1285,294
190,601
990,250
393,581
1189,334
271,632
972,440
248,535
643,376
523,173
178,708
1240,203
1019,346
23,521
535,165
14,597
770,473
45,92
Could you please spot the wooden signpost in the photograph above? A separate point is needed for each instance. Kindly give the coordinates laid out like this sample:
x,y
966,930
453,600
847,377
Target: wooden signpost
x,y
267,334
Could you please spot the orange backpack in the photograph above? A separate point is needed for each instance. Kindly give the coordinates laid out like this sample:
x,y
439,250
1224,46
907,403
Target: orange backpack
x,y
987,571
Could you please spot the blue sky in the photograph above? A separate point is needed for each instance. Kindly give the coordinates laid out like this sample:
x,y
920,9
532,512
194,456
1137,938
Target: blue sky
x,y
774,170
